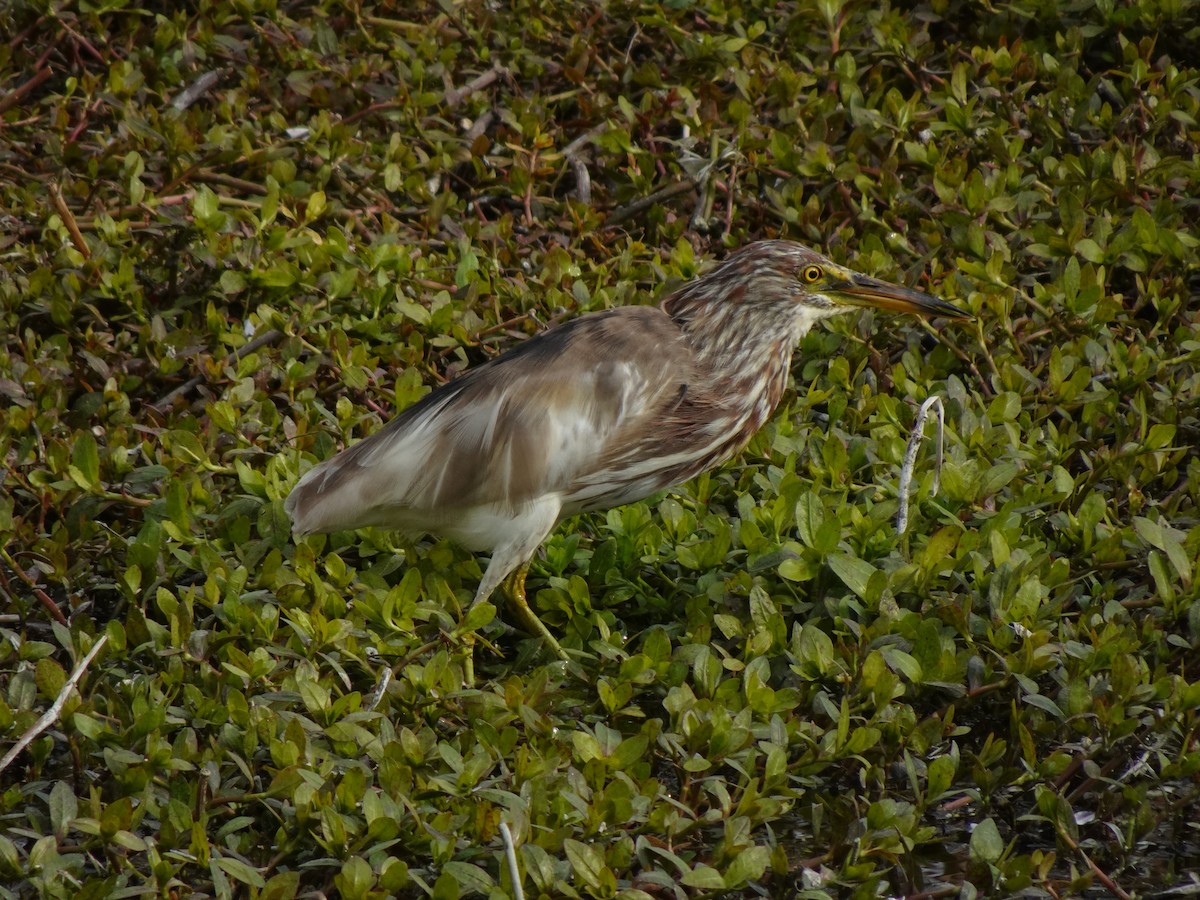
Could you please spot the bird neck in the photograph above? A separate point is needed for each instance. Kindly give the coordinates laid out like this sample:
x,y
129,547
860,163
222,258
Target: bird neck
x,y
742,328
737,337
741,357
735,320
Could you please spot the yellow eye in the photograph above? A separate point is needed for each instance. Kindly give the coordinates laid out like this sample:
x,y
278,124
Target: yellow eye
x,y
811,274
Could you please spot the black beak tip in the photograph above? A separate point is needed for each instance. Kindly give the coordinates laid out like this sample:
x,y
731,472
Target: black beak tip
x,y
950,311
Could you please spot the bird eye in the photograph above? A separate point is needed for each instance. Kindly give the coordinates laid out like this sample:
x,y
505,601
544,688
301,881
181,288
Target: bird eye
x,y
811,274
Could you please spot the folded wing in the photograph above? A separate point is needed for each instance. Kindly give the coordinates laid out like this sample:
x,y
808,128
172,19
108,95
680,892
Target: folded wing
x,y
543,424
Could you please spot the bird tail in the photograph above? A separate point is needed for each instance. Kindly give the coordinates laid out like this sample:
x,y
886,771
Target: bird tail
x,y
300,504
325,499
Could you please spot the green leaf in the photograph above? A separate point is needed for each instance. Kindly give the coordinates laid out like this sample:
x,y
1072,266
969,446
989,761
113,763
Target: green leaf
x,y
749,865
394,875
283,886
1169,541
1071,279
63,807
798,569
205,206
1089,250
986,844
539,865
127,840
50,677
355,879
998,477
446,887
1055,807
810,516
697,763
730,626
939,777
862,739
10,859
813,650
477,617
186,445
588,864
586,747
471,879
85,461
1162,578
903,664
936,554
314,694
280,275
854,572
703,877
1044,703
251,480
315,207
90,728
629,751
468,264
232,281
239,871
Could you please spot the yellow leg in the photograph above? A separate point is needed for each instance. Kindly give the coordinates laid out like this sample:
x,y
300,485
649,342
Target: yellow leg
x,y
514,587
470,638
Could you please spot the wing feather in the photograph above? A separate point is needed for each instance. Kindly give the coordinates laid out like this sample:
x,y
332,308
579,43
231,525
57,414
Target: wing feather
x,y
543,419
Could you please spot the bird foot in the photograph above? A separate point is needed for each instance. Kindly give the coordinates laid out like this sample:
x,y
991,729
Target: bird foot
x,y
482,612
514,587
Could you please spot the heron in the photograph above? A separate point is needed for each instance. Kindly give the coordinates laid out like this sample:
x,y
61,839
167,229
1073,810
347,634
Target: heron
x,y
604,410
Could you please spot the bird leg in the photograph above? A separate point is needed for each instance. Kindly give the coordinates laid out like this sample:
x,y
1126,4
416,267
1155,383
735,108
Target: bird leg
x,y
514,588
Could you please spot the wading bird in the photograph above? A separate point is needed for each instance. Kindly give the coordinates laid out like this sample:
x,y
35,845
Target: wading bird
x,y
604,410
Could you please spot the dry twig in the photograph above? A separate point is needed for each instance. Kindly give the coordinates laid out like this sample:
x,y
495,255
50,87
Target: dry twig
x,y
1102,876
49,716
455,96
15,96
272,336
197,89
510,852
42,597
617,216
68,218
583,178
910,456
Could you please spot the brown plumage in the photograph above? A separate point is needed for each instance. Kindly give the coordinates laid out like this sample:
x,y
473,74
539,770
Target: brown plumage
x,y
604,410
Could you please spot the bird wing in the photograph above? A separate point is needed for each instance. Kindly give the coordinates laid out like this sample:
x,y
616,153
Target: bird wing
x,y
547,418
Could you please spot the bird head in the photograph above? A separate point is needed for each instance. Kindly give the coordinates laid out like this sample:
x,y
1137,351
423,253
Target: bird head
x,y
829,289
785,285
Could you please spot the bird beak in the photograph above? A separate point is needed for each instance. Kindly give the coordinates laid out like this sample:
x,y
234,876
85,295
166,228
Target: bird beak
x,y
862,290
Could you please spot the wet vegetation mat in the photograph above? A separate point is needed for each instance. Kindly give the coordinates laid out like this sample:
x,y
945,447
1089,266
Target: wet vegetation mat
x,y
237,235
